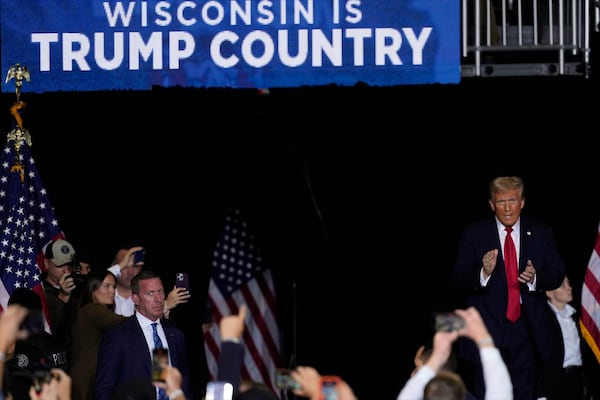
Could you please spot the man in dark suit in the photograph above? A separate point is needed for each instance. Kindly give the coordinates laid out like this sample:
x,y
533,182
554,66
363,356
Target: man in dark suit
x,y
125,354
479,272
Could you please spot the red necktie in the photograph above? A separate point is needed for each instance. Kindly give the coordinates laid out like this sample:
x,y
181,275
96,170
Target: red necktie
x,y
513,310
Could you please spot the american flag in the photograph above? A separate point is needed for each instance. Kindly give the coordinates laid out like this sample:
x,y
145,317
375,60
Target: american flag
x,y
27,220
590,300
240,276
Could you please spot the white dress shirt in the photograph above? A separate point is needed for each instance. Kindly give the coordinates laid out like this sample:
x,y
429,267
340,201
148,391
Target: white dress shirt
x,y
570,335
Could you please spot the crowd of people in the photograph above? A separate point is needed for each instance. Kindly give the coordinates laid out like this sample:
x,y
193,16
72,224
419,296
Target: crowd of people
x,y
105,323
83,305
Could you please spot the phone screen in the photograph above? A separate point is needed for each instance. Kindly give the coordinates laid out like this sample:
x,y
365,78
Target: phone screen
x,y
329,387
284,380
160,359
448,322
216,390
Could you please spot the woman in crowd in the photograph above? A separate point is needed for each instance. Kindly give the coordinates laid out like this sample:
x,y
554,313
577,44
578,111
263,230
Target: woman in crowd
x,y
94,317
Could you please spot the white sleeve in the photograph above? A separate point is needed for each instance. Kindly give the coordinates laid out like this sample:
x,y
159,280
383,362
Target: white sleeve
x,y
115,269
498,385
414,388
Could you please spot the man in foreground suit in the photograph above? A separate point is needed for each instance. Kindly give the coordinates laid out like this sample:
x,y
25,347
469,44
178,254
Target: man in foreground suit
x,y
479,272
125,355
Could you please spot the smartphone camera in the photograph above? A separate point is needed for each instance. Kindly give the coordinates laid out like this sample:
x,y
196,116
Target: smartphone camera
x,y
284,380
139,256
78,280
182,280
448,322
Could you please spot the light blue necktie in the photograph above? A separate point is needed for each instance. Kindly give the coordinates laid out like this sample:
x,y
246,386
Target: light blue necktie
x,y
162,395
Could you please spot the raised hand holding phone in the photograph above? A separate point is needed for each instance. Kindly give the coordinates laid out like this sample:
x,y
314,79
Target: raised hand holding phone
x,y
180,293
326,387
139,256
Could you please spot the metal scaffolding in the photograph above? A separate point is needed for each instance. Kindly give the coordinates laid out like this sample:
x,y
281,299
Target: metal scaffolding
x,y
527,37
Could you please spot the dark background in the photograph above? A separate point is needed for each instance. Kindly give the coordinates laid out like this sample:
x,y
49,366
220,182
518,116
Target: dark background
x,y
357,195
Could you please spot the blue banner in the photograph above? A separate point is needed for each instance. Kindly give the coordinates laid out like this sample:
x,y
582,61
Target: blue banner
x,y
89,45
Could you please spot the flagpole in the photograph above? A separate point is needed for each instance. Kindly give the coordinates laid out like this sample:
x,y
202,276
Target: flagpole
x,y
26,215
19,134
292,364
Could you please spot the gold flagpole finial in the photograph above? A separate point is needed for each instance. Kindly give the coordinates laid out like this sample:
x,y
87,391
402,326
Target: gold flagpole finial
x,y
20,73
18,134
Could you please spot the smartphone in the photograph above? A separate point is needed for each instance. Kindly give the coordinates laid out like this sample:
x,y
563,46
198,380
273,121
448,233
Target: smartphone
x,y
139,256
448,322
182,280
284,380
329,387
218,390
160,359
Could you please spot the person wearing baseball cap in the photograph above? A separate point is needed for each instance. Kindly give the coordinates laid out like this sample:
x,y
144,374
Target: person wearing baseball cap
x,y
59,286
60,252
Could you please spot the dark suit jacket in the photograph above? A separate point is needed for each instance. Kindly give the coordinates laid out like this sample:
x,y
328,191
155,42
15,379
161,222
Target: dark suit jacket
x,y
229,367
538,245
124,357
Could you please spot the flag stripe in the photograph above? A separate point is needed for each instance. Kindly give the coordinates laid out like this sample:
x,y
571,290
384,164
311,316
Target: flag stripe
x,y
240,276
264,319
258,337
590,300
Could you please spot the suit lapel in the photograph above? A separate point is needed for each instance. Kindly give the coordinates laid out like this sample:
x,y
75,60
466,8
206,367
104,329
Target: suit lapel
x,y
526,237
141,347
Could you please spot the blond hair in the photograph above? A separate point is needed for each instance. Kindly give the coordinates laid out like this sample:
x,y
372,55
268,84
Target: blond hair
x,y
506,183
